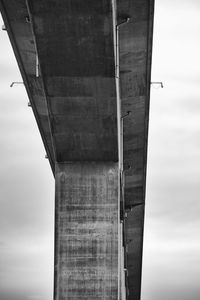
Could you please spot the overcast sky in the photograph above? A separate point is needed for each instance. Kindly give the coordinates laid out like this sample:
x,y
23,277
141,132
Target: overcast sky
x,y
171,267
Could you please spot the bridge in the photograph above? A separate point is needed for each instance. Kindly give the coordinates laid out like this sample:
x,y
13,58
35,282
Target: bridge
x,y
86,67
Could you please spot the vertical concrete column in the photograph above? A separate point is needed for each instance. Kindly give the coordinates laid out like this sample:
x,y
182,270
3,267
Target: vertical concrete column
x,y
86,231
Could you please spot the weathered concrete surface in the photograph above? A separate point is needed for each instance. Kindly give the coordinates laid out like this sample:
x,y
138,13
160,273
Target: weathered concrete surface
x,y
135,69
76,53
134,244
86,245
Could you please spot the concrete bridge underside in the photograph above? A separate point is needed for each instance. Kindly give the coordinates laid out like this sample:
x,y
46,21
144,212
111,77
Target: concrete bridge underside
x,y
86,67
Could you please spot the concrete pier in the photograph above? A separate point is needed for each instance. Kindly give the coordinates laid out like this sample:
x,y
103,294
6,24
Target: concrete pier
x,y
86,231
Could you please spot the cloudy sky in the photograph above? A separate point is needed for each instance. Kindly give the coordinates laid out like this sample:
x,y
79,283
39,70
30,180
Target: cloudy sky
x,y
171,267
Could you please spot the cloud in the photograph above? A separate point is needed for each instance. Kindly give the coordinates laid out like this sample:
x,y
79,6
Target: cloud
x,y
35,297
171,247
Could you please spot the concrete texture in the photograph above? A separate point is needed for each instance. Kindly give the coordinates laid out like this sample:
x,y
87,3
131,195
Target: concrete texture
x,y
74,97
135,68
86,245
76,53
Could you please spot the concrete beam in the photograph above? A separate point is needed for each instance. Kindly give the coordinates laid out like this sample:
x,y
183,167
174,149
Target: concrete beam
x,y
15,15
76,50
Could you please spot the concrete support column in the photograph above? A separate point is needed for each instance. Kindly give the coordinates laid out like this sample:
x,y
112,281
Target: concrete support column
x,y
86,231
